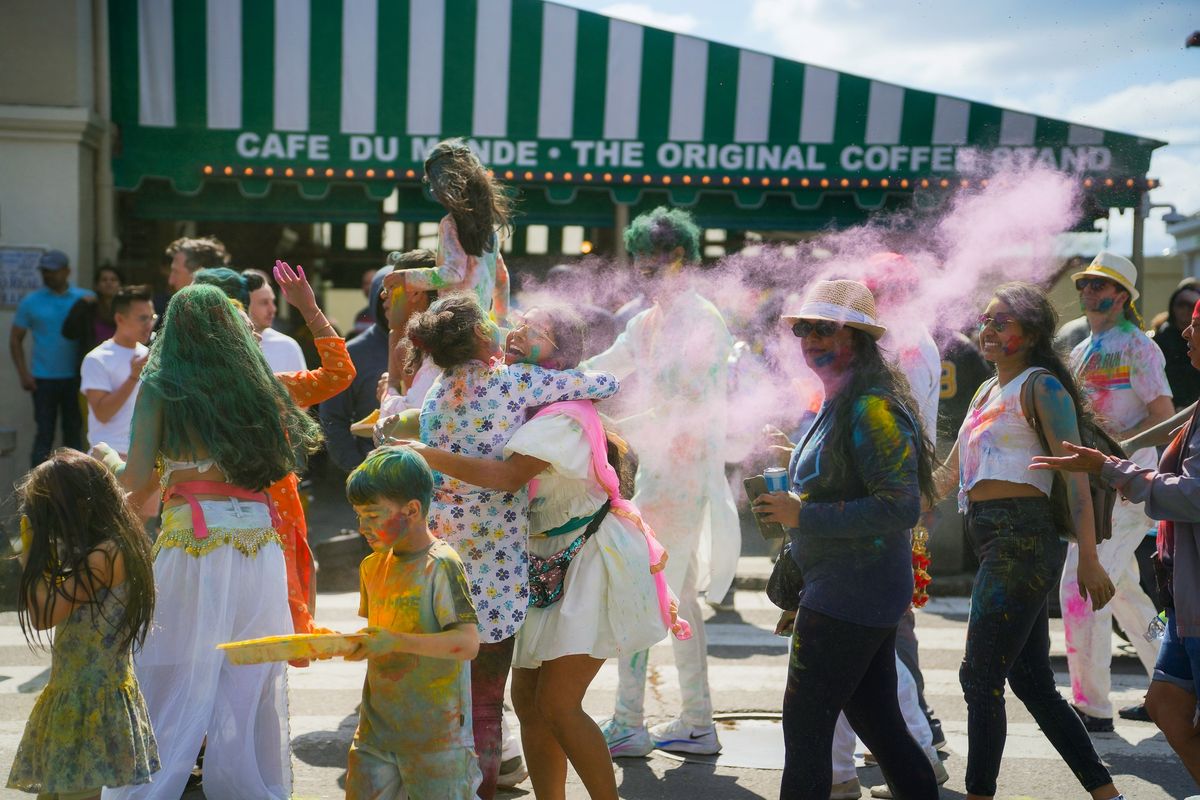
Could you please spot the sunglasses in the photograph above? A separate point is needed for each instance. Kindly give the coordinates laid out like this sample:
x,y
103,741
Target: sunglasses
x,y
822,328
1095,283
999,322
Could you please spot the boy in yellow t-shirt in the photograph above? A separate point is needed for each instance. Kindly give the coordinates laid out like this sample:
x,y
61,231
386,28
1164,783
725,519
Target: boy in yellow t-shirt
x,y
414,731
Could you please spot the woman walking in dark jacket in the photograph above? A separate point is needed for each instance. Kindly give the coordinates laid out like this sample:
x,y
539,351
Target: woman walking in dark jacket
x,y
857,482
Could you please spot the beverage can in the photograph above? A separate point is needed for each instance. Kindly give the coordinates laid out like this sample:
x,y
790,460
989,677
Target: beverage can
x,y
776,479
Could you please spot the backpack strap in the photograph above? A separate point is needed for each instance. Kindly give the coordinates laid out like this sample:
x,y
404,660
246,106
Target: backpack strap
x,y
1029,408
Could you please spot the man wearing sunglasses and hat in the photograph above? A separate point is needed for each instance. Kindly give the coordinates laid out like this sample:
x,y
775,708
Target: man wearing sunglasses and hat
x,y
1122,374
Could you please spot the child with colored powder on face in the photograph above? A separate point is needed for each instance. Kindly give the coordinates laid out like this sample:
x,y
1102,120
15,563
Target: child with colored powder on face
x,y
414,736
468,254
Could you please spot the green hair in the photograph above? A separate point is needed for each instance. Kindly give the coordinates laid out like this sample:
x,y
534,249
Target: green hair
x,y
391,473
231,283
217,392
662,230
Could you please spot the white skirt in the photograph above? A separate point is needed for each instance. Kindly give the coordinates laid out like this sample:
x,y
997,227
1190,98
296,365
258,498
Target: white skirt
x,y
609,605
229,586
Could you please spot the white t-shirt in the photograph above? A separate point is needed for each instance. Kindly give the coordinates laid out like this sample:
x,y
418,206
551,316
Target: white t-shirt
x,y
282,351
918,358
106,368
1121,371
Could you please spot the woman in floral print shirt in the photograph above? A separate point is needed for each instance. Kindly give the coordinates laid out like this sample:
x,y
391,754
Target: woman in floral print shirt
x,y
473,409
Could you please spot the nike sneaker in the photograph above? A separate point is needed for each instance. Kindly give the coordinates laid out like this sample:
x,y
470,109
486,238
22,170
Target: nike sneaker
x,y
678,737
626,741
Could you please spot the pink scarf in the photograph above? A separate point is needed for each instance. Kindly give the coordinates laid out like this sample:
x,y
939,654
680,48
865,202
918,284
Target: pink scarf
x,y
584,412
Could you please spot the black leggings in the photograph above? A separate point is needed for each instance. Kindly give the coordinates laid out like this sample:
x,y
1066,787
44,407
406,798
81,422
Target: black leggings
x,y
839,666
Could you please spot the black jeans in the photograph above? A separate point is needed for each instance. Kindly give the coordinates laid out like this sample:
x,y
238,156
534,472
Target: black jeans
x,y
839,666
51,398
1008,637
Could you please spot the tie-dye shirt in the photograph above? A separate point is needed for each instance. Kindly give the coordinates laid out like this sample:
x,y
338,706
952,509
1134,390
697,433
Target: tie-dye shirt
x,y
854,542
414,703
1120,371
474,409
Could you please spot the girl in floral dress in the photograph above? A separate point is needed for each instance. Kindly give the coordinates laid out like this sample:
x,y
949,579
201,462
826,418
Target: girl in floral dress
x,y
86,572
474,408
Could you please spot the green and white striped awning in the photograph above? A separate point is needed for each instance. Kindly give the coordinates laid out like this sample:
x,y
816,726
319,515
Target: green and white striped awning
x,y
318,91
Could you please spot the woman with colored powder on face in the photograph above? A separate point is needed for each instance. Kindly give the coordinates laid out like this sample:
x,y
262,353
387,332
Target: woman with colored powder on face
x,y
468,254
857,480
607,603
218,563
1172,495
1010,523
474,408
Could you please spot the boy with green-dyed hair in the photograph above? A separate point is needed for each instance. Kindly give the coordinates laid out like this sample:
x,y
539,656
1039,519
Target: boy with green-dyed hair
x,y
414,732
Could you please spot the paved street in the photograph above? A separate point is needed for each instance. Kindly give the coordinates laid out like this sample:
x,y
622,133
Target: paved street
x,y
748,666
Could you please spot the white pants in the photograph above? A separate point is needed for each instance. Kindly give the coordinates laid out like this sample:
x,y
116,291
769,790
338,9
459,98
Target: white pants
x,y
192,692
1089,633
691,656
844,740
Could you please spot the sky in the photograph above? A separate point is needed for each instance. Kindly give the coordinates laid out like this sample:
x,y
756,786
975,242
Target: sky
x,y
1112,64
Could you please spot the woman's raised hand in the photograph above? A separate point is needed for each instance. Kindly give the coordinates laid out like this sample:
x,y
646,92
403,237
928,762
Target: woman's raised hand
x,y
296,289
1082,459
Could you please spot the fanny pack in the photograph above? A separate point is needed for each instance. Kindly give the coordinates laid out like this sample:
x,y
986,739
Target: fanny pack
x,y
546,575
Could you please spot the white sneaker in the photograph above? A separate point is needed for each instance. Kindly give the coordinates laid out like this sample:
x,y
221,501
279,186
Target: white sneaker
x,y
512,772
847,790
626,741
677,737
939,772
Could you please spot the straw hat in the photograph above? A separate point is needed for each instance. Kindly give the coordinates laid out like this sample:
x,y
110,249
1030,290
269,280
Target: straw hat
x,y
847,302
1110,266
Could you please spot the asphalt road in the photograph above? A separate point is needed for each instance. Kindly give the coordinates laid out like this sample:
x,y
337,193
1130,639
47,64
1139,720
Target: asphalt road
x,y
747,671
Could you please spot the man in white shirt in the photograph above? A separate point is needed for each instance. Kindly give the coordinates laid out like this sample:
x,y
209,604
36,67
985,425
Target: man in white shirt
x,y
1122,373
282,351
110,373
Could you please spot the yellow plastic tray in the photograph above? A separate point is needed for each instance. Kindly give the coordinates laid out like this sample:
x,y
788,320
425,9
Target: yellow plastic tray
x,y
291,647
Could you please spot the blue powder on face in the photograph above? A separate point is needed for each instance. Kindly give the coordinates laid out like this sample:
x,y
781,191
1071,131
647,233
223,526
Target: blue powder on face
x,y
824,360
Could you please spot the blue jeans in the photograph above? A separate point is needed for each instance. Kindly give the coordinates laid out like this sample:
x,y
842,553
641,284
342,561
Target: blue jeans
x,y
54,397
1008,638
1179,658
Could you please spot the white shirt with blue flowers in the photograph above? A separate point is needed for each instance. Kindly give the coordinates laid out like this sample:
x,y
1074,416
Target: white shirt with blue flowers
x,y
474,409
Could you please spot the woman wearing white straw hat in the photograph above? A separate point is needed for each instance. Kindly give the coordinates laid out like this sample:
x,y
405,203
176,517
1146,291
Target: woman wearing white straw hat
x,y
857,482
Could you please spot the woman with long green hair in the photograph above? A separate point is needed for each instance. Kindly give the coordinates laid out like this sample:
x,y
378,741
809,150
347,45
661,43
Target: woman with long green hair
x,y
221,428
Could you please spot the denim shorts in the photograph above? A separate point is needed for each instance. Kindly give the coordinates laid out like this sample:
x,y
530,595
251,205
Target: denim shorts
x,y
1179,658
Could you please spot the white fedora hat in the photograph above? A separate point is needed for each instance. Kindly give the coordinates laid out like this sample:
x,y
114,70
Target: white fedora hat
x,y
1110,266
849,303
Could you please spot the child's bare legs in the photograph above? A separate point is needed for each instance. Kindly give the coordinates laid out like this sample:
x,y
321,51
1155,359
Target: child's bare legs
x,y
555,728
489,674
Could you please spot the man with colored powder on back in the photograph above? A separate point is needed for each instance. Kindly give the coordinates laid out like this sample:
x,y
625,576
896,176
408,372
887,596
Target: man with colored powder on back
x,y
414,736
679,350
1122,373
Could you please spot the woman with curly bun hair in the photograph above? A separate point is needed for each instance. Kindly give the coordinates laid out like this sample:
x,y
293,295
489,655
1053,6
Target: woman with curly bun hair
x,y
473,409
